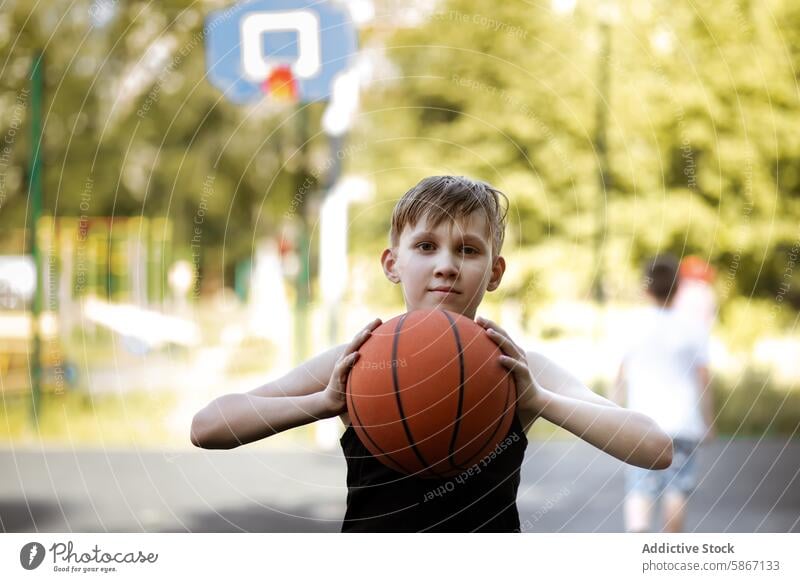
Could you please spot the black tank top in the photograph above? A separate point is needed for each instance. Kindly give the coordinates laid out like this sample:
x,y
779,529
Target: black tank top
x,y
480,499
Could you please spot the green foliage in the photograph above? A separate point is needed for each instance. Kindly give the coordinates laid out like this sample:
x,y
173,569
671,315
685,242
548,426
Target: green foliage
x,y
128,111
743,321
701,108
701,115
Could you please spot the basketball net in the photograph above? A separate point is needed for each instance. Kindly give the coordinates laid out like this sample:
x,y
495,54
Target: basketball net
x,y
281,85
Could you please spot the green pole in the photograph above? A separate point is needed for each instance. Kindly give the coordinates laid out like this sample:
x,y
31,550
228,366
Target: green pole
x,y
303,299
35,197
601,144
302,293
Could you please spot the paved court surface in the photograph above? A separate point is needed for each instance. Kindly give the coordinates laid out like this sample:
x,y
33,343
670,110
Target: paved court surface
x,y
747,486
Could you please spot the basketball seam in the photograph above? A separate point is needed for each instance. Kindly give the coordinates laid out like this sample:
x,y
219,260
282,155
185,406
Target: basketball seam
x,y
466,463
460,405
352,403
396,385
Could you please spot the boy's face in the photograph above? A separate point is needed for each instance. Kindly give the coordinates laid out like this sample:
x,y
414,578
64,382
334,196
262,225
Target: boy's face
x,y
449,266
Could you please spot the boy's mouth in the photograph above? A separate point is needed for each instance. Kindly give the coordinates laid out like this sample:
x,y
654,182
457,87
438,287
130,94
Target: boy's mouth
x,y
445,291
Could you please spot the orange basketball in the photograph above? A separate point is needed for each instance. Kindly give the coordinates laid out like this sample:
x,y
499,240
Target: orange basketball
x,y
428,395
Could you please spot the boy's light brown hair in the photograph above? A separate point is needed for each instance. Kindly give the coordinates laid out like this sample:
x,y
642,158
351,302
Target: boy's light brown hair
x,y
440,198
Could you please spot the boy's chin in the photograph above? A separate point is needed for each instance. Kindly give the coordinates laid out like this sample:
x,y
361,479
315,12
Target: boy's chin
x,y
447,304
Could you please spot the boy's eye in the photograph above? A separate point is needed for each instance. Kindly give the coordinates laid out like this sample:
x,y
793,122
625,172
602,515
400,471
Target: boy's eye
x,y
426,246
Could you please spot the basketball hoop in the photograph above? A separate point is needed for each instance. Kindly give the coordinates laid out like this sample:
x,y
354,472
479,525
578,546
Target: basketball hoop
x,y
281,85
245,42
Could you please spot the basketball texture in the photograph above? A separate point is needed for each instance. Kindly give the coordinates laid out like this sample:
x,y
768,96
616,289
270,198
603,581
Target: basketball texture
x,y
428,396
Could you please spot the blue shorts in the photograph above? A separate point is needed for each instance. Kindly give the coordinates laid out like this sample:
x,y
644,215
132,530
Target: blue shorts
x,y
680,477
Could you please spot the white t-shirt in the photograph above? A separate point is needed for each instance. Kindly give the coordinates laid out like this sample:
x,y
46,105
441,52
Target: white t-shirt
x,y
696,300
663,354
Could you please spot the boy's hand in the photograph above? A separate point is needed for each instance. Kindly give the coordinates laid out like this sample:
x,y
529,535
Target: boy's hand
x,y
334,393
516,360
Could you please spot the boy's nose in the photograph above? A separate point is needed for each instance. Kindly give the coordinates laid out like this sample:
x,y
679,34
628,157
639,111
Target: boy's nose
x,y
447,265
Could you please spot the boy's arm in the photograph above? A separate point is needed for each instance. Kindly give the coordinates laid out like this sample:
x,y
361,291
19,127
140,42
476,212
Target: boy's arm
x,y
237,419
292,400
312,391
625,434
309,377
618,395
556,379
622,435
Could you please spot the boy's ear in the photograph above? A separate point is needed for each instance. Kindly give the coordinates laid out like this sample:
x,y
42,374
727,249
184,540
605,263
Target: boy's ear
x,y
498,268
389,262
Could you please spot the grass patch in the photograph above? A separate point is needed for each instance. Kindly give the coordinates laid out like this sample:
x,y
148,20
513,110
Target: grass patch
x,y
75,417
754,406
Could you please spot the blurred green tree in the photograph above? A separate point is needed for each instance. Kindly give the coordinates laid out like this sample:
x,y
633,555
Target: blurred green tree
x,y
702,110
132,127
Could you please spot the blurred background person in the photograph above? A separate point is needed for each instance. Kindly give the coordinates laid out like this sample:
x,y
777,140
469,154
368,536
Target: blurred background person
x,y
695,297
664,373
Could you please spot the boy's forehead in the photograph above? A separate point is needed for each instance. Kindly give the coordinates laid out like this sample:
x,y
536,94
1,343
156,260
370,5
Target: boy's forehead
x,y
475,225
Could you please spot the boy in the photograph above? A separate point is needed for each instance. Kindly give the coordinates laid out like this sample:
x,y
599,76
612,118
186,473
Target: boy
x,y
664,374
446,237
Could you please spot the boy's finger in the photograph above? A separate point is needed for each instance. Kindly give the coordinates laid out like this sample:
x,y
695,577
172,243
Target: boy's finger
x,y
508,361
489,324
346,359
346,364
501,330
505,343
359,339
511,363
363,335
